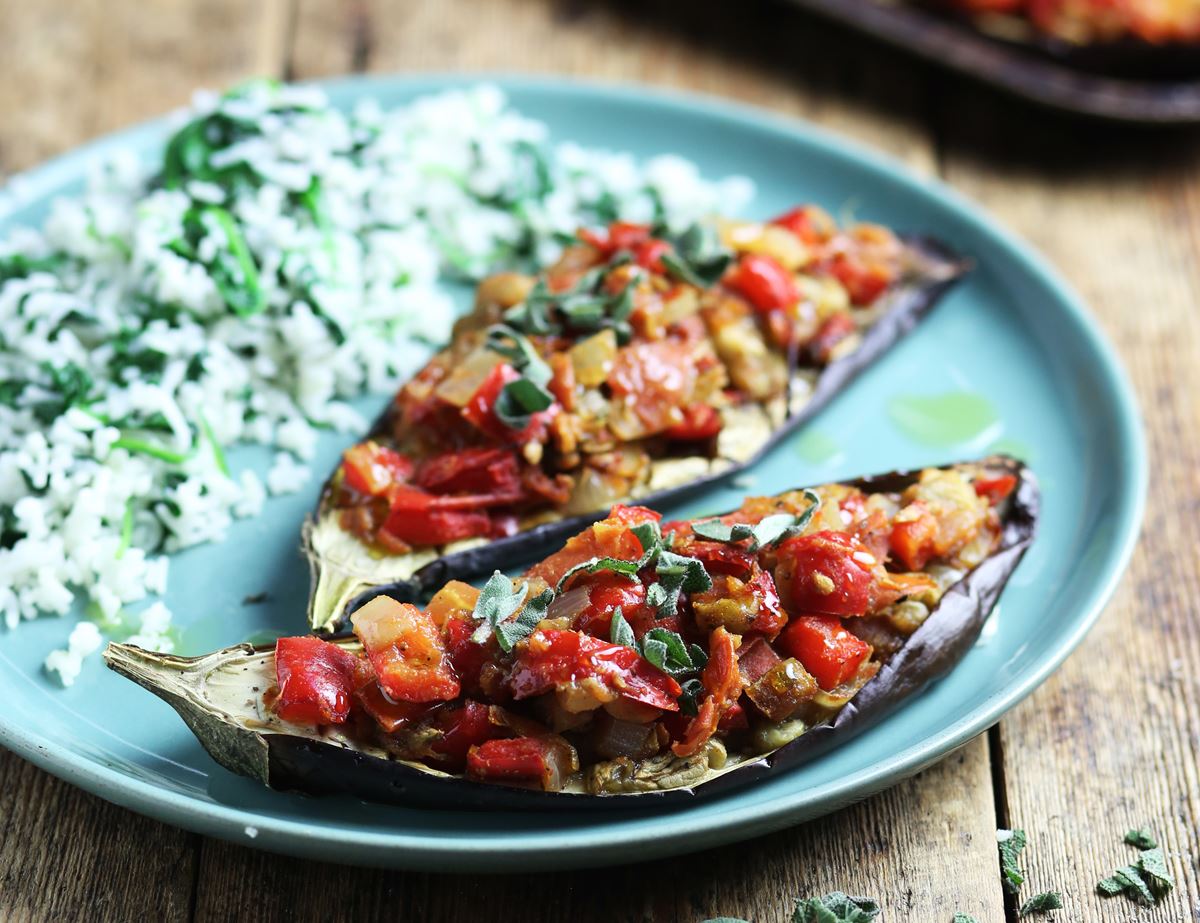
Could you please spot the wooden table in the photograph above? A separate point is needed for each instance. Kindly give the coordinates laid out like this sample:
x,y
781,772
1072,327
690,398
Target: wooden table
x,y
1110,742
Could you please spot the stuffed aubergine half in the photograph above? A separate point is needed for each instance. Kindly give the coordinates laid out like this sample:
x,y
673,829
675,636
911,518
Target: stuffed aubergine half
x,y
638,367
643,661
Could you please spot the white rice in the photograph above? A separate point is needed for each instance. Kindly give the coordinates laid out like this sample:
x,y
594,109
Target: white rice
x,y
162,373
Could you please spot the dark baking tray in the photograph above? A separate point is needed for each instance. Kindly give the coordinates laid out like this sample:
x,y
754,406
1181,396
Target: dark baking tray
x,y
1034,72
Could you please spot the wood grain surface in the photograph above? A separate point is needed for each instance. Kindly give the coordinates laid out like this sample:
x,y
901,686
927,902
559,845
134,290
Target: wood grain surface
x,y
1111,741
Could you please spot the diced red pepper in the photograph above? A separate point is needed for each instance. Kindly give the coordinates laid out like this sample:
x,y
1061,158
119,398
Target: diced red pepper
x,y
914,535
656,378
418,518
800,222
463,728
828,651
316,680
555,658
863,280
828,572
832,331
372,469
700,421
544,762
406,650
763,282
490,473
996,487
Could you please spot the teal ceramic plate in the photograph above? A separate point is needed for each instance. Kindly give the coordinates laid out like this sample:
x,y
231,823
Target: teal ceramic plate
x,y
1010,361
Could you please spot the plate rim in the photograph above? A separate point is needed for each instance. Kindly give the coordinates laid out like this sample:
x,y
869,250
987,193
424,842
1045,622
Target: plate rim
x,y
574,846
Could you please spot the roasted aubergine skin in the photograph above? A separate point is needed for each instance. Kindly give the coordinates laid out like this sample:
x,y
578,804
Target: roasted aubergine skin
x,y
427,496
225,699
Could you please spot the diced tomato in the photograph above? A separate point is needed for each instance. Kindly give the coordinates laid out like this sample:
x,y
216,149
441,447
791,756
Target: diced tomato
x,y
418,518
656,378
372,469
492,474
828,651
700,421
562,384
316,680
555,658
800,222
864,280
463,728
827,572
832,331
389,715
722,685
544,762
914,536
649,255
996,488
609,538
406,650
763,282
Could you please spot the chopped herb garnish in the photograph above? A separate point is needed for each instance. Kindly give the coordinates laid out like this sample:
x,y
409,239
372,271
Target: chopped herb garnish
x,y
73,384
960,917
676,573
689,698
1146,881
1141,838
1042,903
835,908
519,400
141,447
1011,842
498,600
126,530
698,257
619,631
771,530
510,631
594,565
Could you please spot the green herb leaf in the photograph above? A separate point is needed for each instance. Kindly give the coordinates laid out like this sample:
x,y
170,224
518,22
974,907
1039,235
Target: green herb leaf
x,y
1110,886
620,632
1011,842
695,577
689,698
1153,866
960,917
698,258
519,400
592,565
770,531
1141,838
498,600
1134,885
510,631
835,908
233,270
1042,903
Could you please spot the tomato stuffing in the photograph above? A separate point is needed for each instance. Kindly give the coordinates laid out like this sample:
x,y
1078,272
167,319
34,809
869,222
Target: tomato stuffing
x,y
764,283
827,572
